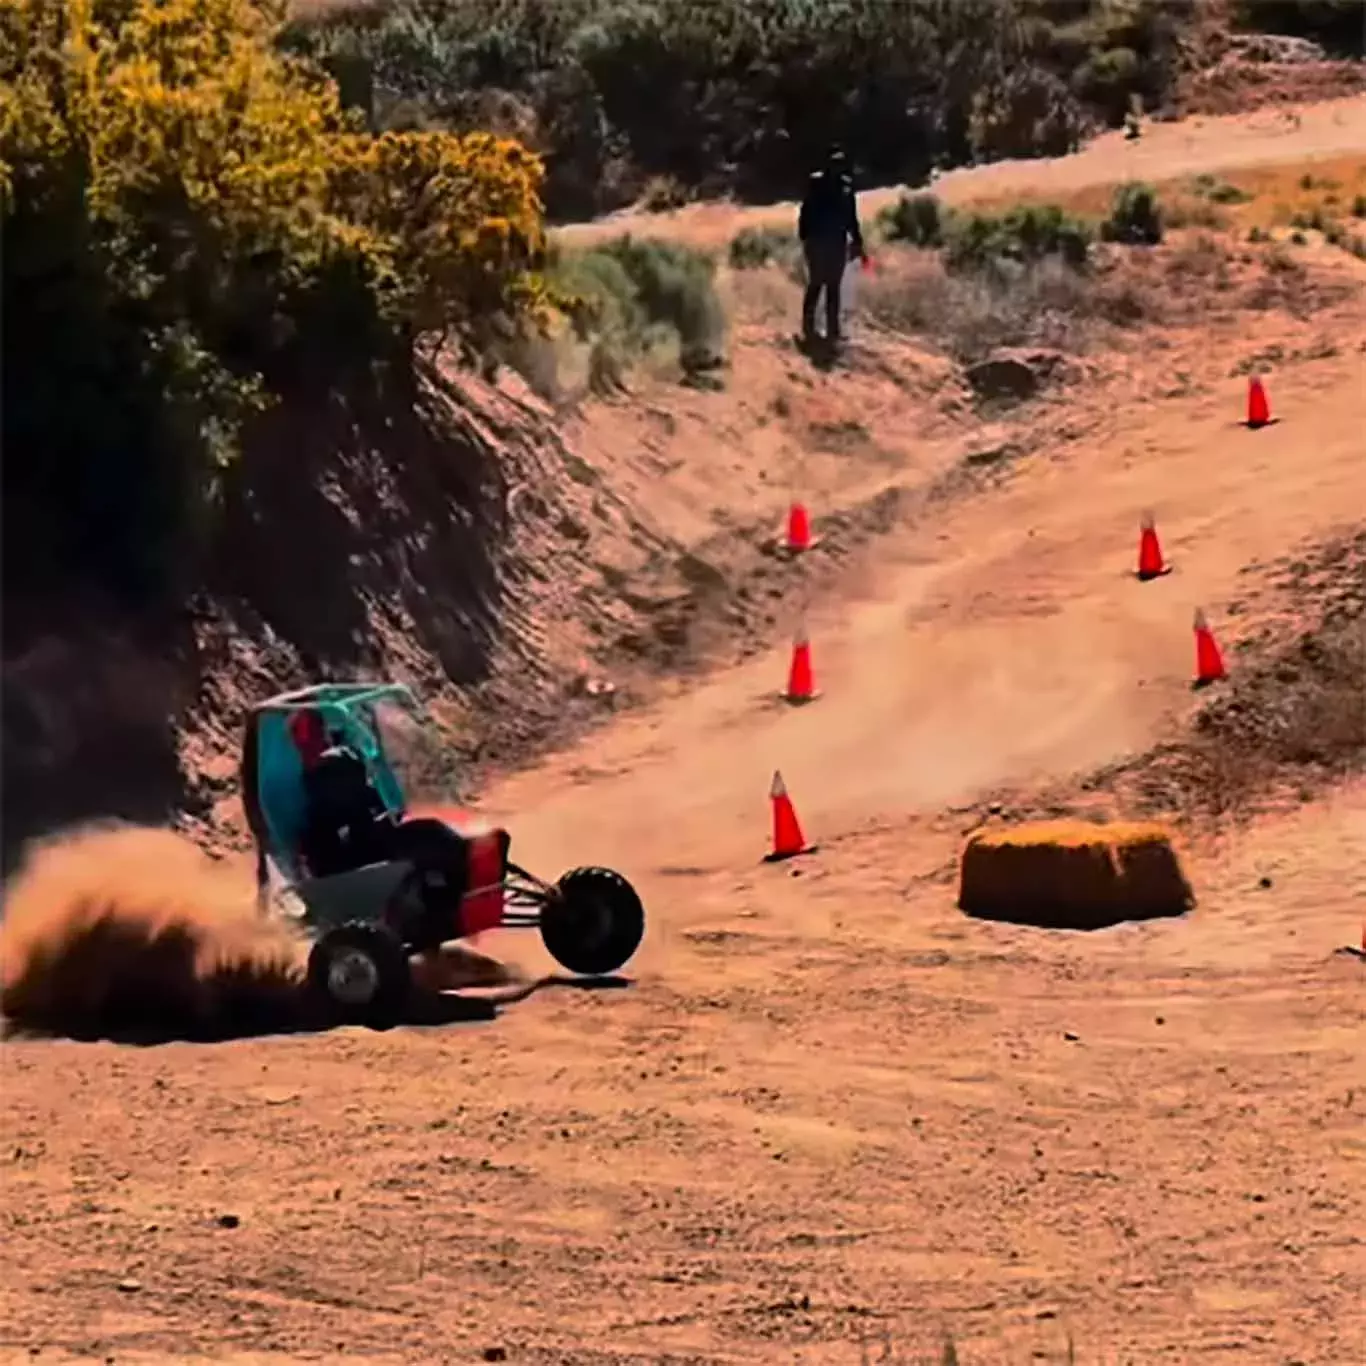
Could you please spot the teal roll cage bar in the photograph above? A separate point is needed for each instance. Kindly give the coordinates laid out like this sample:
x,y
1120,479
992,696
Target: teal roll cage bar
x,y
272,791
271,775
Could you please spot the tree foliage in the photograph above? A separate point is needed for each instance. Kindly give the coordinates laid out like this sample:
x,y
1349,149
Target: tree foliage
x,y
193,227
742,95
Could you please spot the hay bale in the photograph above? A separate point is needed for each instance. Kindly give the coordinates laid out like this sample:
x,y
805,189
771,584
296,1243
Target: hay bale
x,y
1072,875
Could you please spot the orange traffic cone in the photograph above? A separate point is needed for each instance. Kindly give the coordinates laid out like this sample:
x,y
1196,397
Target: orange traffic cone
x,y
798,529
788,839
801,678
1150,562
1258,406
1209,661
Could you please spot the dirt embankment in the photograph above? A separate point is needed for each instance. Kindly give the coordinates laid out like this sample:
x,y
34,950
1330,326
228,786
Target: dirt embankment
x,y
381,542
500,556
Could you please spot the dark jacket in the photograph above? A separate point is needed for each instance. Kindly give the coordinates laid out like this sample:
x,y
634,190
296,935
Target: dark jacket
x,y
346,816
829,212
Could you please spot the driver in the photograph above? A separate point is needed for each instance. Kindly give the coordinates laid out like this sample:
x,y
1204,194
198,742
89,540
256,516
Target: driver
x,y
346,824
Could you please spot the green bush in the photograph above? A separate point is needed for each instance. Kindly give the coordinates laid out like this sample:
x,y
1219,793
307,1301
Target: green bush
x,y
917,219
636,293
1109,80
753,248
1135,216
191,229
1219,191
1025,234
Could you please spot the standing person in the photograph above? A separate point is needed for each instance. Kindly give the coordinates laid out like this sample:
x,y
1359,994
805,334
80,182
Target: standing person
x,y
831,237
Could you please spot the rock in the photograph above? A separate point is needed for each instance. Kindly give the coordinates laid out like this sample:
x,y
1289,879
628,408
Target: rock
x,y
228,1221
1002,377
1276,48
1014,374
997,453
129,1286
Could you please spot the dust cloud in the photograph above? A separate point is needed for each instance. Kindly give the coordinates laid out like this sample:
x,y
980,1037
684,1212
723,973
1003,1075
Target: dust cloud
x,y
126,931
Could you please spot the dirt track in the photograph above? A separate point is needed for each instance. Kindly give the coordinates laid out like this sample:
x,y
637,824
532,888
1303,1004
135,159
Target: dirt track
x,y
829,1110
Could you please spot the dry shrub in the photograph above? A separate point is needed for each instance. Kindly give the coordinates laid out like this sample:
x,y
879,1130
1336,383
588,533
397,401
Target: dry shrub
x,y
1045,303
130,931
1072,875
1297,719
1293,715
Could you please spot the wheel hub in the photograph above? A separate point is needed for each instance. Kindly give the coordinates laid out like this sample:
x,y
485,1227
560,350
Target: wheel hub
x,y
594,919
352,978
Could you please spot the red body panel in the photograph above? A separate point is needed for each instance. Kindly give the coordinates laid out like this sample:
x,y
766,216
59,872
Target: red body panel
x,y
482,908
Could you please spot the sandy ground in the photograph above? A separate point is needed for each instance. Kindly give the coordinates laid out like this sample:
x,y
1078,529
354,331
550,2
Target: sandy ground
x,y
828,1120
1293,133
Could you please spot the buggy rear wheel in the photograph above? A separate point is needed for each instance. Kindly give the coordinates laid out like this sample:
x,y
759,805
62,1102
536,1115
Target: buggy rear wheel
x,y
592,922
361,972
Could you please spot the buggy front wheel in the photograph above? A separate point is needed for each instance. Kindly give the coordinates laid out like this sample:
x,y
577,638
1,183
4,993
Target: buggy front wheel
x,y
592,922
361,973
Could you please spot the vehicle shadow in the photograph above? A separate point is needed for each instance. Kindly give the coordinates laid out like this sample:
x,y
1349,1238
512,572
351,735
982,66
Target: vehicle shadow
x,y
439,1008
272,1008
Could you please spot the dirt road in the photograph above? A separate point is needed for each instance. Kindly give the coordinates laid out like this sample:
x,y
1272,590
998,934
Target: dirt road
x,y
829,1117
1166,151
1005,645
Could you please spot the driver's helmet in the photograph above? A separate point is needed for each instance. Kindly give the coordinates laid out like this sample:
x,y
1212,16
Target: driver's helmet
x,y
309,735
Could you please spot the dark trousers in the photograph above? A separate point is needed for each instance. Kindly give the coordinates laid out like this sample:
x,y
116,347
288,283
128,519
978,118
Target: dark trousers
x,y
825,263
430,845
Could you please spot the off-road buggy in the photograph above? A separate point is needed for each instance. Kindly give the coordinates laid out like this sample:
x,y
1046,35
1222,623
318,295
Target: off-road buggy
x,y
414,882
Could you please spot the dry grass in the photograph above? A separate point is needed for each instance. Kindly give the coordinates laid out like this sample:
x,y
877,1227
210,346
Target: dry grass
x,y
1193,277
1072,875
1268,198
1292,718
970,315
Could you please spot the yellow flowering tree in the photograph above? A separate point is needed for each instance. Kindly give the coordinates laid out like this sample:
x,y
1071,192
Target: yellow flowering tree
x,y
193,227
